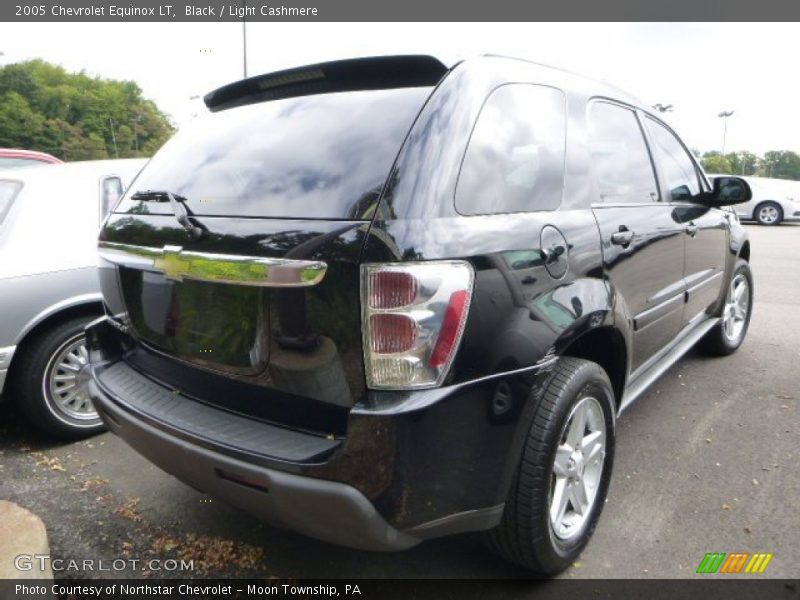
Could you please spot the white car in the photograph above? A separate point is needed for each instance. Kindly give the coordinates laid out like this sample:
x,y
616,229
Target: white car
x,y
774,200
49,289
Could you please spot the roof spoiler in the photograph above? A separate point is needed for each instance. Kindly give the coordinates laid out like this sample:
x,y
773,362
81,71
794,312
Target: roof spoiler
x,y
373,73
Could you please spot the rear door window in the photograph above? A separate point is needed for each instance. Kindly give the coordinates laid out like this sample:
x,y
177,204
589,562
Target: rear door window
x,y
514,161
8,191
623,170
323,156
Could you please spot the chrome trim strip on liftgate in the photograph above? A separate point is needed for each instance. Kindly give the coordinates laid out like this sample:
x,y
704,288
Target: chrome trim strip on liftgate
x,y
179,264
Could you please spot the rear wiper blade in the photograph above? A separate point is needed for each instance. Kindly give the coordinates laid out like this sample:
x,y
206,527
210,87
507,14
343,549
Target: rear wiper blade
x,y
179,209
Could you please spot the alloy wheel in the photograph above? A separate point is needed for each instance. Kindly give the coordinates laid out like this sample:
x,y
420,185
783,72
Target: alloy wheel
x,y
734,316
577,469
768,215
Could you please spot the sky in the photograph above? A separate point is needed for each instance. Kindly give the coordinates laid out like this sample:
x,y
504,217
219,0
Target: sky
x,y
701,69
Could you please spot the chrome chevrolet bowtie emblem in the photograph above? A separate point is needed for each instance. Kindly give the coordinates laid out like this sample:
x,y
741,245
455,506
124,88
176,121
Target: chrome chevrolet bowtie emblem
x,y
178,264
172,264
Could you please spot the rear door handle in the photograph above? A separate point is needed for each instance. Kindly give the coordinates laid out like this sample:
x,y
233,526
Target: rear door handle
x,y
691,229
623,237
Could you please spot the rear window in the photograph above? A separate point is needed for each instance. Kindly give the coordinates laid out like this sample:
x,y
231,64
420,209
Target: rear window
x,y
8,191
324,156
515,158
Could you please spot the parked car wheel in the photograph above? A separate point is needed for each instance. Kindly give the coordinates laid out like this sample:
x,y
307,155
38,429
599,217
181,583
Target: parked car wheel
x,y
51,382
726,337
561,483
768,213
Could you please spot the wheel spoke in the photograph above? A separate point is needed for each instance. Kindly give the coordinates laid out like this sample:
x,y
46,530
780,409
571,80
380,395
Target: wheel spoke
x,y
738,294
69,397
76,357
729,328
578,425
558,504
593,445
580,500
83,404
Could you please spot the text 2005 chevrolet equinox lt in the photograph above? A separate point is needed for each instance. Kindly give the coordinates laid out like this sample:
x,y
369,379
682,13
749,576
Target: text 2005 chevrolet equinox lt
x,y
378,301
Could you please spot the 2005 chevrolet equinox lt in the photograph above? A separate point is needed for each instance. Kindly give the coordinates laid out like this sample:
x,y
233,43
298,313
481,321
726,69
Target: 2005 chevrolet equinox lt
x,y
380,300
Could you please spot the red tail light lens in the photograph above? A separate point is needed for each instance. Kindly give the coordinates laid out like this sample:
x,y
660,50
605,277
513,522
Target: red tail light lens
x,y
391,289
392,333
451,329
414,316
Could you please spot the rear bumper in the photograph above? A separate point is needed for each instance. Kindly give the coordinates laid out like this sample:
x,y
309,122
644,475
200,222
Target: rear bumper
x,y
412,465
327,510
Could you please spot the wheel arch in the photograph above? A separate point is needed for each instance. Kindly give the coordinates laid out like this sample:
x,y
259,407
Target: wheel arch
x,y
605,346
744,252
86,305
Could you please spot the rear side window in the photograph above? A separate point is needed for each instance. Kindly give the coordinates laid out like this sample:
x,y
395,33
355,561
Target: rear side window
x,y
622,167
683,180
12,162
8,191
324,156
515,157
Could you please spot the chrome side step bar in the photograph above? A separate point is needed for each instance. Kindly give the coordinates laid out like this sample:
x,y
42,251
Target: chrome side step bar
x,y
178,264
660,365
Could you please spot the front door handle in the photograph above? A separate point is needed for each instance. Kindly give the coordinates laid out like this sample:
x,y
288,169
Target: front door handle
x,y
623,237
691,229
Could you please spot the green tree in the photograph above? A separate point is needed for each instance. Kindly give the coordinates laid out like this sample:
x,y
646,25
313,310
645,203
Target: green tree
x,y
714,162
743,162
781,164
71,115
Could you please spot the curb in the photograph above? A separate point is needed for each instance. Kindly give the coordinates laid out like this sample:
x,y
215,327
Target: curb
x,y
22,533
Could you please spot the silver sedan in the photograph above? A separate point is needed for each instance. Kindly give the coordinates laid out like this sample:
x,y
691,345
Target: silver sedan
x,y
49,220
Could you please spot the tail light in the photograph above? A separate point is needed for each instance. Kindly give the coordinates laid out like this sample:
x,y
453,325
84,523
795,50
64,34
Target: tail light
x,y
414,316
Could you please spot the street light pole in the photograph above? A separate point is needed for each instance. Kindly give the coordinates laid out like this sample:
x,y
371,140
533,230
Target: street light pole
x,y
724,116
244,44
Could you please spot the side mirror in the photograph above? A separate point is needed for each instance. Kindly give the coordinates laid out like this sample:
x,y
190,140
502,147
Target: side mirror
x,y
730,190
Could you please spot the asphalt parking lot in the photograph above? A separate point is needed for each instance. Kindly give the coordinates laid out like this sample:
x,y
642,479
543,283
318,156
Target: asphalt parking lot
x,y
706,462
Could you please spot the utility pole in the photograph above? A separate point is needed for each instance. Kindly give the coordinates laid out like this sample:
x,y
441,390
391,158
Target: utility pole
x,y
136,120
113,137
724,116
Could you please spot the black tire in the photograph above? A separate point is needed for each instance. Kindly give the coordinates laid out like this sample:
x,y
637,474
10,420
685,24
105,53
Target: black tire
x,y
717,342
761,219
30,382
525,535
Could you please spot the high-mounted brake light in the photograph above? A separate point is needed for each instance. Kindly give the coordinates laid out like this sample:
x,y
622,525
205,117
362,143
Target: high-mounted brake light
x,y
414,316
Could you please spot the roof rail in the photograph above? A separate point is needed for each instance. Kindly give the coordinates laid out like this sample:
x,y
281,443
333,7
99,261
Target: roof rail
x,y
355,74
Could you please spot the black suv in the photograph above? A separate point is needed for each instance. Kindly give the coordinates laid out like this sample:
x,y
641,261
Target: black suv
x,y
381,300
